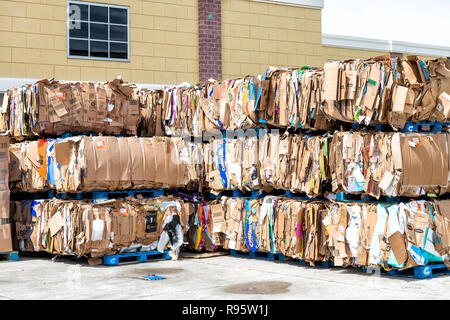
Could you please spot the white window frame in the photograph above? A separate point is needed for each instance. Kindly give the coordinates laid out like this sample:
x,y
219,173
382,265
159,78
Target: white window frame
x,y
89,35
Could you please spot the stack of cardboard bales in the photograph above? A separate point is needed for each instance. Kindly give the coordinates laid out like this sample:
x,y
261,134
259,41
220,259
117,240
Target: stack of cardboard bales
x,y
5,225
317,162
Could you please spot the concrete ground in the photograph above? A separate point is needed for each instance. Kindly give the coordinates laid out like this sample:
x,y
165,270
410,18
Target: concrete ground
x,y
222,278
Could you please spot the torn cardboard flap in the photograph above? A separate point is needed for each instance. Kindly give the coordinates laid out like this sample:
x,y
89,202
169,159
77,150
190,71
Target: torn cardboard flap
x,y
63,152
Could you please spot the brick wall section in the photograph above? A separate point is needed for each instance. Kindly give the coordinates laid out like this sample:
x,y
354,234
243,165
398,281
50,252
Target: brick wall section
x,y
396,55
210,39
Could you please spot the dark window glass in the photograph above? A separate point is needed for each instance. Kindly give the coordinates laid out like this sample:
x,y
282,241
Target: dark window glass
x,y
99,31
78,11
78,48
118,33
99,49
78,30
118,50
99,14
117,15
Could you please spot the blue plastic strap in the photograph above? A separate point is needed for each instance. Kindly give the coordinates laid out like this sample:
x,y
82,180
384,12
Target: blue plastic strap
x,y
51,165
424,71
222,167
34,203
154,277
260,89
251,88
250,227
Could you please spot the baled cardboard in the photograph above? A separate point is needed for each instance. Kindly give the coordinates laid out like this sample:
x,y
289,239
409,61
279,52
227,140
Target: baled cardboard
x,y
5,238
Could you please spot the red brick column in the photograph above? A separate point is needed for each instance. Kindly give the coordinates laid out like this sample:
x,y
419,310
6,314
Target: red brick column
x,y
210,39
396,55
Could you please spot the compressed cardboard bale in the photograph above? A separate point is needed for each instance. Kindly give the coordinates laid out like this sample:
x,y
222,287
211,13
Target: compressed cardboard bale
x,y
82,228
79,164
55,107
5,223
231,164
392,164
385,90
394,235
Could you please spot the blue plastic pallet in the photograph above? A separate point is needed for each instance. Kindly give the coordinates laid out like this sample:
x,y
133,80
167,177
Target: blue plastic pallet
x,y
255,194
302,196
11,256
99,196
153,277
135,257
419,272
25,195
94,134
78,133
342,196
423,126
321,264
291,194
258,255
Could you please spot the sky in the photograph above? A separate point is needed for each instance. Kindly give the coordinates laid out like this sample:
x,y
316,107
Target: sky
x,y
418,21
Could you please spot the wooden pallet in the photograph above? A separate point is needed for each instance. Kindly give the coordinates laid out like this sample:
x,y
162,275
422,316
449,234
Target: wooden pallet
x,y
135,257
203,255
11,256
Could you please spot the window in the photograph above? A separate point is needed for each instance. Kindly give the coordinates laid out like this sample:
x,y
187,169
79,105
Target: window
x,y
97,31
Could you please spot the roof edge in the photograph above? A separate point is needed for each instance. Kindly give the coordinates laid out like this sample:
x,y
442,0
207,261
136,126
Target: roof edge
x,y
312,4
342,41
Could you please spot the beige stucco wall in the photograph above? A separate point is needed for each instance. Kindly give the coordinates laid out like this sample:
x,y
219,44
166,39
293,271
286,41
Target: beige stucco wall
x,y
334,53
163,42
256,35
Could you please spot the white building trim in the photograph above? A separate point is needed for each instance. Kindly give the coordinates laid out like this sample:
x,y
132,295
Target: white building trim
x,y
8,83
339,41
313,4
